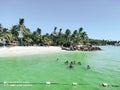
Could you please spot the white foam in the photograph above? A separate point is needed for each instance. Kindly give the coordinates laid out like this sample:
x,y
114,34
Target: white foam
x,y
48,83
74,84
105,84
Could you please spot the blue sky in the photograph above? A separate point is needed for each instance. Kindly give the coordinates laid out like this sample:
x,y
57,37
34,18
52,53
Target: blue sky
x,y
99,18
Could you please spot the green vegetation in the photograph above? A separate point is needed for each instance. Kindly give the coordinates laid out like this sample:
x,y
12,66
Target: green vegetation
x,y
23,36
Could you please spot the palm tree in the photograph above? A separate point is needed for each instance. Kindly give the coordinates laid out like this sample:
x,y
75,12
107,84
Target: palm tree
x,y
54,35
67,35
84,37
27,37
54,32
39,30
75,37
55,28
21,28
80,34
36,37
5,35
1,31
14,31
1,28
80,30
8,36
60,39
21,24
60,31
47,39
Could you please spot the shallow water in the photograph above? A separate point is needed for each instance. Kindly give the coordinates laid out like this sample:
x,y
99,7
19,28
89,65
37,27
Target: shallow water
x,y
105,68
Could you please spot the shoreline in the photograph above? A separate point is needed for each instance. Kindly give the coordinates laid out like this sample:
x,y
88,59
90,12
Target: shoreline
x,y
28,50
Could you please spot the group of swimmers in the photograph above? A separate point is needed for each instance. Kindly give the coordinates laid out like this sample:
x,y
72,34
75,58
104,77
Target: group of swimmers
x,y
73,63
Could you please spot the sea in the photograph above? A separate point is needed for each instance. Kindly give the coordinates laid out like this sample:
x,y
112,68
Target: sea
x,y
50,72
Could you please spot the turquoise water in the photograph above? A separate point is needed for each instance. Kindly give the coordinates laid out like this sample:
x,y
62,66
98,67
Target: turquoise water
x,y
105,68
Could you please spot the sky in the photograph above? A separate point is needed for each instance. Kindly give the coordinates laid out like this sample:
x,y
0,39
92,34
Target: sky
x,y
100,19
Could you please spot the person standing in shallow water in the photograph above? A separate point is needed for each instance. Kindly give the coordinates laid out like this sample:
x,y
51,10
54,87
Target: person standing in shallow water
x,y
88,67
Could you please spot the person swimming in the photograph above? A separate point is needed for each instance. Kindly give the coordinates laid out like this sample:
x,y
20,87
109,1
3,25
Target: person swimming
x,y
79,63
57,59
70,66
66,62
74,62
88,67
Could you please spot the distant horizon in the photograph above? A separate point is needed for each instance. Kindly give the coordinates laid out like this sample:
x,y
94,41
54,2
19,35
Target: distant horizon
x,y
99,18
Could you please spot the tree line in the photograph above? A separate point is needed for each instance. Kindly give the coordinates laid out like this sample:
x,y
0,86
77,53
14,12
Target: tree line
x,y
56,38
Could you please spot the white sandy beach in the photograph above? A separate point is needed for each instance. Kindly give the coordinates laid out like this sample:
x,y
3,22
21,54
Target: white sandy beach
x,y
31,50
